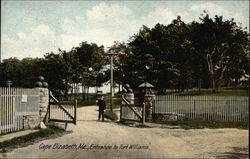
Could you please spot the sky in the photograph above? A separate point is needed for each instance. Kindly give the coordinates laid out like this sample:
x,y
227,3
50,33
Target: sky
x,y
34,28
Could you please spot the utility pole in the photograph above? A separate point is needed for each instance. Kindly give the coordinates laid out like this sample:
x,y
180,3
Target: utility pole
x,y
111,79
111,75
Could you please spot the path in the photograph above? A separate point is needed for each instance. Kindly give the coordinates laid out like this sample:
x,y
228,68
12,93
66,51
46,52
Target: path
x,y
161,142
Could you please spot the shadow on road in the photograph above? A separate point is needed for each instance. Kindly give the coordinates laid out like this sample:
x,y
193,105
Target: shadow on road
x,y
237,153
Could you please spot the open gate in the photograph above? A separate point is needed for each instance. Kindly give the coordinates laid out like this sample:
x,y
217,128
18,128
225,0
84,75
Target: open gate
x,y
132,112
62,111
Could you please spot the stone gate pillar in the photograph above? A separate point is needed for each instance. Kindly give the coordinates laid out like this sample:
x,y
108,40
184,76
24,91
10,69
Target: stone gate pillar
x,y
43,90
43,103
130,97
147,96
148,100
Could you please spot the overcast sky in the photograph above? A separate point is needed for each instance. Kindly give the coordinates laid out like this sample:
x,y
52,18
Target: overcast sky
x,y
33,28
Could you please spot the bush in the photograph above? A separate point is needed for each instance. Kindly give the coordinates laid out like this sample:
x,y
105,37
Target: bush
x,y
110,115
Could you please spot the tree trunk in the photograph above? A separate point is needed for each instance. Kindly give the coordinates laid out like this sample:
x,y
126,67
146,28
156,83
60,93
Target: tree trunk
x,y
66,91
83,92
211,70
221,77
213,84
119,88
199,85
87,93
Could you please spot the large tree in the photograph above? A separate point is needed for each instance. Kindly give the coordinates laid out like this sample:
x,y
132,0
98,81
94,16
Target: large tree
x,y
164,49
221,44
92,58
54,72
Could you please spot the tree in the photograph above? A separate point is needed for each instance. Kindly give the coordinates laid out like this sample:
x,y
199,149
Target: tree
x,y
90,56
10,71
159,48
220,44
55,72
122,50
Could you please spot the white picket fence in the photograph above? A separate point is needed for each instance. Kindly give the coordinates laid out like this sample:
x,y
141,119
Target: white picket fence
x,y
14,104
203,107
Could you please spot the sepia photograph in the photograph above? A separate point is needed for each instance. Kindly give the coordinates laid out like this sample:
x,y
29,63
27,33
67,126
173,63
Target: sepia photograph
x,y
129,79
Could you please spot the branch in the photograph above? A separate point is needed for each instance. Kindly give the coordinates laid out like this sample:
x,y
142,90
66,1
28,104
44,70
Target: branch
x,y
209,63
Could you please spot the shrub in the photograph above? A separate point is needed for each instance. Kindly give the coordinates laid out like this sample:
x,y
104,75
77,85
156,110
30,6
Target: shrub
x,y
110,115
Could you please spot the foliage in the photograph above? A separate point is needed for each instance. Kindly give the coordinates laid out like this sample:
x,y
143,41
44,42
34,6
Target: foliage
x,y
222,46
210,53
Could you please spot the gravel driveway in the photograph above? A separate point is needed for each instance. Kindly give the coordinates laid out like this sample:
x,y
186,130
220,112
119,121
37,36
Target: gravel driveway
x,y
93,139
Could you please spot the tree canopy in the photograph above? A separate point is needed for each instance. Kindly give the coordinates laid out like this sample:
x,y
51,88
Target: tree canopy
x,y
208,53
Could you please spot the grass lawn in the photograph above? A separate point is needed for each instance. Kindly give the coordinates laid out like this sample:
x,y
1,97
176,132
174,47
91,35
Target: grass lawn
x,y
50,131
226,91
200,124
92,101
116,101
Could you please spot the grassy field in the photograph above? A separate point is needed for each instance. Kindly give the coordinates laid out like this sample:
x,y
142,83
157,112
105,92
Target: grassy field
x,y
93,98
116,101
226,91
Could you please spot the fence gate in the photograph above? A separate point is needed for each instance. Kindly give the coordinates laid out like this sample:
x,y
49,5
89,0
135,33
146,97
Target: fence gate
x,y
132,112
62,111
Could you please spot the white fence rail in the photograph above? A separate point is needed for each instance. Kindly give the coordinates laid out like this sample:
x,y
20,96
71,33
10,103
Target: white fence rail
x,y
14,104
204,107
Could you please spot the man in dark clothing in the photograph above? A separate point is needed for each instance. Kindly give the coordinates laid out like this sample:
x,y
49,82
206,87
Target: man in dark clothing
x,y
102,106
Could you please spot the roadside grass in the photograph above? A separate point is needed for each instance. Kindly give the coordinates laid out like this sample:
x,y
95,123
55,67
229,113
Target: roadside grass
x,y
110,115
50,132
86,103
116,101
200,124
93,98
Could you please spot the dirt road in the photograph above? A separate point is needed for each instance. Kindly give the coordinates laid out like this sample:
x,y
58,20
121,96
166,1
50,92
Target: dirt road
x,y
112,140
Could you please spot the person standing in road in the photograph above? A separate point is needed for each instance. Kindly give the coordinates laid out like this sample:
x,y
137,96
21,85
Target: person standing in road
x,y
102,106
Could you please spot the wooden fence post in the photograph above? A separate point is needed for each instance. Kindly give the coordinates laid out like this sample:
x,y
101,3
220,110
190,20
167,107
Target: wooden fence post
x,y
121,112
143,113
75,111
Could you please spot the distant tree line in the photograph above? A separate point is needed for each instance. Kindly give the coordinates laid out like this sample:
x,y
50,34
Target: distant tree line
x,y
210,53
63,71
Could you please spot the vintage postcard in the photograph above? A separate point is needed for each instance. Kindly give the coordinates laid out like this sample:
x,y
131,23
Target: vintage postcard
x,y
124,79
